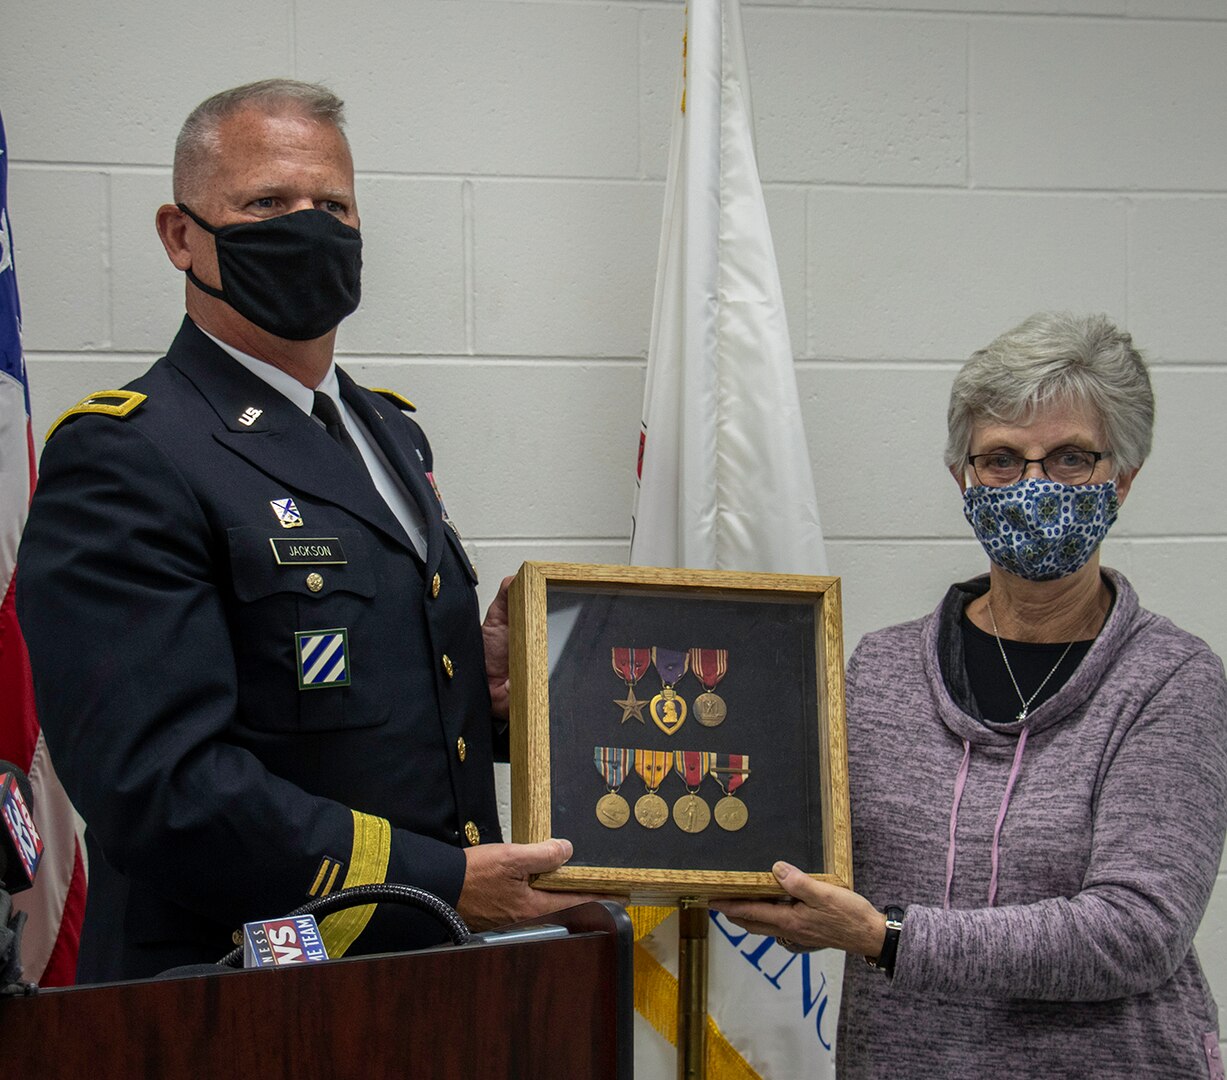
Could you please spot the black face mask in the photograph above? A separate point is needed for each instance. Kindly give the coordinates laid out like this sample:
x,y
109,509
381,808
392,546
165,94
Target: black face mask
x,y
296,276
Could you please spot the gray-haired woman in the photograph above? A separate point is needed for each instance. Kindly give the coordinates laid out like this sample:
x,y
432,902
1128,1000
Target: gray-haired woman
x,y
1038,769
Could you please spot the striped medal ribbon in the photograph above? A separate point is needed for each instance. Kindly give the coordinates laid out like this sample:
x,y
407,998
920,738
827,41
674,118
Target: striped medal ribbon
x,y
612,763
730,772
709,666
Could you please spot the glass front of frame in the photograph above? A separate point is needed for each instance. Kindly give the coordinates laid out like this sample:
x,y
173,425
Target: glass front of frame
x,y
684,728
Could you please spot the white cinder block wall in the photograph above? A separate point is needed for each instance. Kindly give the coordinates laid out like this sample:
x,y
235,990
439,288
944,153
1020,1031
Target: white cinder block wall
x,y
935,171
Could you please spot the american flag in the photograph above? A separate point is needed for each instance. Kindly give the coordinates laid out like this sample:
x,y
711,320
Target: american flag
x,y
56,903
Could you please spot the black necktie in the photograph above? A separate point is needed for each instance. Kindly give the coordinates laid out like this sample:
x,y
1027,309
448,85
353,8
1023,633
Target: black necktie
x,y
325,410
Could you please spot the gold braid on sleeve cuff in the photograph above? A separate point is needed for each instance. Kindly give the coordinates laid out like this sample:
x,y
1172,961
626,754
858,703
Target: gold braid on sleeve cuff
x,y
368,865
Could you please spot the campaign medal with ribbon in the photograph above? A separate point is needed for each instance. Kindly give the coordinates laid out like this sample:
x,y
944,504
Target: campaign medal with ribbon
x,y
612,810
667,708
709,666
730,772
631,664
690,813
651,811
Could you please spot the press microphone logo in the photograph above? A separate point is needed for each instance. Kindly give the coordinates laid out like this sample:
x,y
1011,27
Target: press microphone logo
x,y
19,826
280,942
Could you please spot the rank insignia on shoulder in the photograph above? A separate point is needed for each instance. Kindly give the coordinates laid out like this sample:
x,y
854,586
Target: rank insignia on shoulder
x,y
401,402
323,658
116,403
287,513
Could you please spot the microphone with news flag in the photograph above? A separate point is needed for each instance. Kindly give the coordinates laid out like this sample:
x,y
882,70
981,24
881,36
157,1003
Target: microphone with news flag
x,y
298,936
21,850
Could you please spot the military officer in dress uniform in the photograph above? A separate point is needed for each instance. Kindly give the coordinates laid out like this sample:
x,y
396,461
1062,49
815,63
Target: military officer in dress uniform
x,y
254,633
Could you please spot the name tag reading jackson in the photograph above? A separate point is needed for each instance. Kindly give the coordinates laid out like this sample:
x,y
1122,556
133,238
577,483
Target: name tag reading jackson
x,y
308,549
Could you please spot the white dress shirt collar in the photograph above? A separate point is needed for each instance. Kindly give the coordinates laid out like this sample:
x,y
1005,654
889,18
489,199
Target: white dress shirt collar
x,y
284,383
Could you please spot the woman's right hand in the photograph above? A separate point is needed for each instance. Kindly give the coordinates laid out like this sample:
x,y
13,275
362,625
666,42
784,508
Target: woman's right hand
x,y
816,916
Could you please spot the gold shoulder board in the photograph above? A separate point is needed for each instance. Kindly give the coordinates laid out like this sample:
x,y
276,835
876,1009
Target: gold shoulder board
x,y
117,403
398,400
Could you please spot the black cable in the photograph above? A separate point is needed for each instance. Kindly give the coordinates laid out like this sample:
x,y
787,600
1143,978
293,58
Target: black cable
x,y
387,892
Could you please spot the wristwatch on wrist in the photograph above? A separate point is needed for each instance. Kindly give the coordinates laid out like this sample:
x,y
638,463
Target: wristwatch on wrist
x,y
885,960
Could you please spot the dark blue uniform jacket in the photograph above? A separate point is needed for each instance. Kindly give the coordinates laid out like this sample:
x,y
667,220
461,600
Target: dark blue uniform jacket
x,y
171,619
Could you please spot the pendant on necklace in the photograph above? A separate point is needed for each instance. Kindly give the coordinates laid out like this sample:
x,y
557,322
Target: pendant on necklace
x,y
1022,715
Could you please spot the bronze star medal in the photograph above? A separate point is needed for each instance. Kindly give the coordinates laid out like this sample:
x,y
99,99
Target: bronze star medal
x,y
631,664
631,706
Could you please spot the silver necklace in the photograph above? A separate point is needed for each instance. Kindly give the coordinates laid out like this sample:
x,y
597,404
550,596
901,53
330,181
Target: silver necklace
x,y
1026,701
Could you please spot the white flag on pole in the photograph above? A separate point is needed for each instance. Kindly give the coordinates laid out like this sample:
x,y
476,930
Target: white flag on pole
x,y
725,483
724,472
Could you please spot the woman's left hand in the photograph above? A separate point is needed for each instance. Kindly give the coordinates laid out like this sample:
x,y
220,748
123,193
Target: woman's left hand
x,y
818,916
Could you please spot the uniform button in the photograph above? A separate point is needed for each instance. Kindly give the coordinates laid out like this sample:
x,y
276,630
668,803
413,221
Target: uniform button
x,y
315,582
462,749
435,583
449,669
471,834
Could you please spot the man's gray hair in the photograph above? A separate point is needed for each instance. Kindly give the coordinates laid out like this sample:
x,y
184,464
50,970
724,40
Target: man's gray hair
x,y
1056,358
197,141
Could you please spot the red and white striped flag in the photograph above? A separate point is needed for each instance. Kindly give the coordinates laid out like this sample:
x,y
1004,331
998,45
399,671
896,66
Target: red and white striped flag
x,y
56,903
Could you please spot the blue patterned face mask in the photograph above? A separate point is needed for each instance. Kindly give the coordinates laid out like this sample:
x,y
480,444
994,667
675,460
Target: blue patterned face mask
x,y
1039,529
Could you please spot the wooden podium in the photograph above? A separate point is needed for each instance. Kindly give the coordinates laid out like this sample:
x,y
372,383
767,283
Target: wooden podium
x,y
558,1007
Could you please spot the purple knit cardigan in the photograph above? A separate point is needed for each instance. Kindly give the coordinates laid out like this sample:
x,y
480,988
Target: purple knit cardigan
x,y
1107,856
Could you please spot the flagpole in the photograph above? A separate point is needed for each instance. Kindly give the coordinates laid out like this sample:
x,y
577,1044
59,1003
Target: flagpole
x,y
723,476
692,923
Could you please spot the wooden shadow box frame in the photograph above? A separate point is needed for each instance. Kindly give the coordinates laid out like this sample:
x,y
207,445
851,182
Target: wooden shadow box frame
x,y
574,711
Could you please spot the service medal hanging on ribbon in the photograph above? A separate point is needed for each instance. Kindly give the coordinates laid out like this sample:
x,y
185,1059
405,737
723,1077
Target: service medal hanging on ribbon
x,y
651,811
709,666
631,664
612,810
690,813
730,772
667,708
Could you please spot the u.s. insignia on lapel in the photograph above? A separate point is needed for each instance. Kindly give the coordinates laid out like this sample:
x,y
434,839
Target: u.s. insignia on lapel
x,y
323,658
250,415
287,513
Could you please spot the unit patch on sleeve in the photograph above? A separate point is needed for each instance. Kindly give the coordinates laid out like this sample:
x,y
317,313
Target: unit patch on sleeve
x,y
323,658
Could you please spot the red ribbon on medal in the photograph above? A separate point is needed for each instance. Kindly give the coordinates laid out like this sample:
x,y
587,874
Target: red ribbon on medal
x,y
692,766
731,770
710,666
631,664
